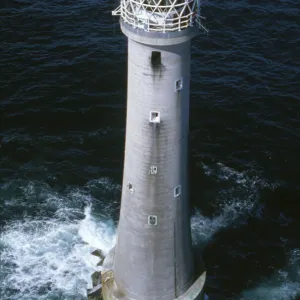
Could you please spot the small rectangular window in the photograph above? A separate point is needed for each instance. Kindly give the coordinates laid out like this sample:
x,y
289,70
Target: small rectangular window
x,y
177,191
130,187
153,170
152,220
178,85
156,58
154,117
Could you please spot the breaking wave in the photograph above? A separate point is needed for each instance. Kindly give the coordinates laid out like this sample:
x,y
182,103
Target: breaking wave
x,y
50,257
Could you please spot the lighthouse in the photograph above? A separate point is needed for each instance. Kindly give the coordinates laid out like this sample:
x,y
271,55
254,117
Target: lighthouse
x,y
153,256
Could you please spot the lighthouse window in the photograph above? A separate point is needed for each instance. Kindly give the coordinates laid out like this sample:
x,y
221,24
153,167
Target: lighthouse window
x,y
154,117
153,170
130,187
177,191
155,58
152,220
178,85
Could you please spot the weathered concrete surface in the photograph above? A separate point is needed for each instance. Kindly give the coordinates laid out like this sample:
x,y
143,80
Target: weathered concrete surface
x,y
153,256
154,261
195,292
112,292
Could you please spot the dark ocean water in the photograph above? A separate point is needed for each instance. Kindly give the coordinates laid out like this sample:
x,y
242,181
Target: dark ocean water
x,y
62,101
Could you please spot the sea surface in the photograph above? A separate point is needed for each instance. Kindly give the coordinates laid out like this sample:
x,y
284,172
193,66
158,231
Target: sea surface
x,y
62,132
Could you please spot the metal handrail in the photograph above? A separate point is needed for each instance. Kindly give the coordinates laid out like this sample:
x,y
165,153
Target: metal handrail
x,y
160,18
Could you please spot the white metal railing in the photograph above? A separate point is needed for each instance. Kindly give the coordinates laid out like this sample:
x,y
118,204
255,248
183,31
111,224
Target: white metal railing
x,y
160,15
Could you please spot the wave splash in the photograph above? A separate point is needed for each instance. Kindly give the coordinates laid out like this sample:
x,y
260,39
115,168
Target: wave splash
x,y
50,258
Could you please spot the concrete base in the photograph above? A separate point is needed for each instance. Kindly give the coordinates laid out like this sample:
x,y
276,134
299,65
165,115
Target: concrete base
x,y
110,290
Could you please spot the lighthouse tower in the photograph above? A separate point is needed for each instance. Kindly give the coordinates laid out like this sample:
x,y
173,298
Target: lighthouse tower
x,y
153,257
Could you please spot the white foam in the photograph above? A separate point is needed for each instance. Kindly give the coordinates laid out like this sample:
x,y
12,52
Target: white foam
x,y
104,231
49,258
52,258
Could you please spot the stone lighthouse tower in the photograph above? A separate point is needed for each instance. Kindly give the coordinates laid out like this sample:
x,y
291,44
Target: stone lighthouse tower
x,y
153,257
